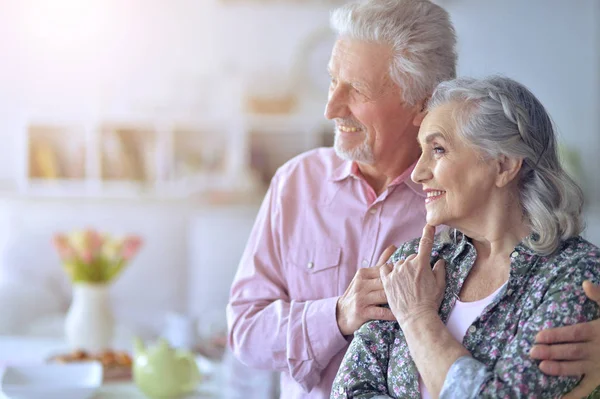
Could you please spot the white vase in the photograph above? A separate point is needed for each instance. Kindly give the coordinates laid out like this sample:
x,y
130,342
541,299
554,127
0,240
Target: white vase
x,y
90,323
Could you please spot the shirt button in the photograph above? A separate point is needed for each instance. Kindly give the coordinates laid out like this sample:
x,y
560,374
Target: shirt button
x,y
509,292
472,329
365,263
373,211
341,390
310,265
514,254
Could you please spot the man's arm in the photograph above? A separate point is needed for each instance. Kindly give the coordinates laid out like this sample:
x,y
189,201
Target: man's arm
x,y
270,330
573,350
267,329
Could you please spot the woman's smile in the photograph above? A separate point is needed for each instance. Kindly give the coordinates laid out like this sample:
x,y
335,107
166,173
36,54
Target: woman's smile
x,y
433,195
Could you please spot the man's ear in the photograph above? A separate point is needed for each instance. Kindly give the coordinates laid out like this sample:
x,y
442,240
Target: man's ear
x,y
508,168
421,112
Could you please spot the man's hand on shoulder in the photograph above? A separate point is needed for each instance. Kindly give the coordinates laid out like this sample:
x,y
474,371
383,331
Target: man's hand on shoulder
x,y
360,303
573,350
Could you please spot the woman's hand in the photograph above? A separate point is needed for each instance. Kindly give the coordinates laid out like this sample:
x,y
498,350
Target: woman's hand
x,y
412,288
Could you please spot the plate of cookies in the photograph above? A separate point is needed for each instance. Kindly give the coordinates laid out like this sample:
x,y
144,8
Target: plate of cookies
x,y
116,364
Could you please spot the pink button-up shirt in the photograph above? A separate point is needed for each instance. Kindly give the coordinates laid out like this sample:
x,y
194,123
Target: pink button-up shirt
x,y
319,223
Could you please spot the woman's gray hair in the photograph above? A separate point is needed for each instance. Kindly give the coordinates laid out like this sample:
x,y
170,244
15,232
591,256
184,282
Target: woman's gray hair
x,y
421,36
499,116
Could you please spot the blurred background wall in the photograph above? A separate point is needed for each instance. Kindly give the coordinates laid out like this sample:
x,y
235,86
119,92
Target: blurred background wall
x,y
86,60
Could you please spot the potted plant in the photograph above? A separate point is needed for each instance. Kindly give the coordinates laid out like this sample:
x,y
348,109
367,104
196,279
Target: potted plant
x,y
92,261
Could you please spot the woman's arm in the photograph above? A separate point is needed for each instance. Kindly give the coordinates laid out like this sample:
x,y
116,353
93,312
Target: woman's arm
x,y
363,372
433,349
414,292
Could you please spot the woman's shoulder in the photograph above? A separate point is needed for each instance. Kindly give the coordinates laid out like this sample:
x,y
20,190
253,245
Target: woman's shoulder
x,y
573,262
580,247
576,253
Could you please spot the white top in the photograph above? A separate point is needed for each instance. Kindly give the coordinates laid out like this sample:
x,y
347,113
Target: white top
x,y
462,316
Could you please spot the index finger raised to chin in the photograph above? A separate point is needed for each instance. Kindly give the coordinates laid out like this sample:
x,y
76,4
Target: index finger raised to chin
x,y
426,242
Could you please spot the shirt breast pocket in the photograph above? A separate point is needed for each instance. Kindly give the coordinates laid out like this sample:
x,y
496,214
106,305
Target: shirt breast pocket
x,y
314,272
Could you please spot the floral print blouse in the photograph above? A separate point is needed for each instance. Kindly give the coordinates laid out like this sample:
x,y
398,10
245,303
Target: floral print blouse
x,y
541,292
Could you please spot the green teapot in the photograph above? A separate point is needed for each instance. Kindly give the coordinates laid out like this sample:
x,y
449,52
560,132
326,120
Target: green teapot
x,y
161,371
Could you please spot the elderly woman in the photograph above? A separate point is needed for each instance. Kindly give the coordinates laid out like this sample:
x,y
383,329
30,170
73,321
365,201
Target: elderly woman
x,y
470,301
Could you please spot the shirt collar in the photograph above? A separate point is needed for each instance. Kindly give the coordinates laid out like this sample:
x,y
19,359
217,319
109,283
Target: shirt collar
x,y
350,169
343,171
460,241
523,257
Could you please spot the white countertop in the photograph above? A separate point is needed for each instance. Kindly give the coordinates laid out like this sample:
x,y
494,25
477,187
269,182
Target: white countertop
x,y
33,350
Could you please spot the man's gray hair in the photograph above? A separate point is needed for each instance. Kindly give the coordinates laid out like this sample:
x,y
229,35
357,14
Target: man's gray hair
x,y
499,116
420,34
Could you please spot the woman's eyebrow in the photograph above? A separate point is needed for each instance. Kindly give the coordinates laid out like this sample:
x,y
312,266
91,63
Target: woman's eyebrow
x,y
429,137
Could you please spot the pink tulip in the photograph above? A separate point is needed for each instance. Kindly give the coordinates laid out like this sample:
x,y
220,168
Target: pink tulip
x,y
61,243
94,241
87,256
131,246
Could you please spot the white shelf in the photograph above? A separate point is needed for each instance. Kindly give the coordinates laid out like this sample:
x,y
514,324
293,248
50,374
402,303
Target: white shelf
x,y
175,162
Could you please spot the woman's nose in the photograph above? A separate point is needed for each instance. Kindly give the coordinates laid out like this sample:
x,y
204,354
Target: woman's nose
x,y
421,173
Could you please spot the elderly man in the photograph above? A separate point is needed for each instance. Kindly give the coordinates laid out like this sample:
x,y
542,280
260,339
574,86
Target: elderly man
x,y
303,285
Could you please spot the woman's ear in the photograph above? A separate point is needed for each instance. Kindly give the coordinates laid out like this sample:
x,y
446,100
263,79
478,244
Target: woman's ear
x,y
508,168
421,112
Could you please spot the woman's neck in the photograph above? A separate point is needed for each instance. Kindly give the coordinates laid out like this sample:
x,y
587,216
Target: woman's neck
x,y
494,238
498,229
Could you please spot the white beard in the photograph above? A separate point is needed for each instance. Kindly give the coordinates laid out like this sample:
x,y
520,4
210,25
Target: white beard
x,y
361,153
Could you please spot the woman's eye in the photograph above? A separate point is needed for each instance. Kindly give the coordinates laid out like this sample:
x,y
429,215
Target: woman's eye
x,y
438,150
